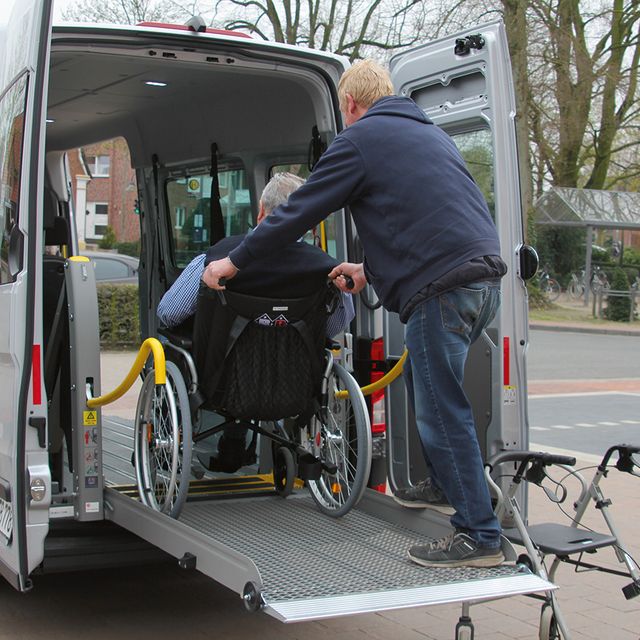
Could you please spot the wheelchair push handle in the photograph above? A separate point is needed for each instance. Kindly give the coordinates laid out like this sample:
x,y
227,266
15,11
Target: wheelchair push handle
x,y
529,456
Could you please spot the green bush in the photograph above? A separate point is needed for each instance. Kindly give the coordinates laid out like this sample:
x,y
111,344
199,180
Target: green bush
x,y
618,308
108,239
118,316
128,248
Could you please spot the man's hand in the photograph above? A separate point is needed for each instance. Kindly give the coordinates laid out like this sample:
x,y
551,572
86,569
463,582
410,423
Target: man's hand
x,y
354,271
216,270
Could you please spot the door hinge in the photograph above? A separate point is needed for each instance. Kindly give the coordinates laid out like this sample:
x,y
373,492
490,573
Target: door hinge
x,y
40,424
464,45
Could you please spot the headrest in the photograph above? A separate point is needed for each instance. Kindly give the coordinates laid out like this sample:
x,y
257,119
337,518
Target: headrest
x,y
58,233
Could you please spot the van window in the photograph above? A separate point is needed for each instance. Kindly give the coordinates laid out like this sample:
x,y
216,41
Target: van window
x,y
12,108
189,205
476,148
324,234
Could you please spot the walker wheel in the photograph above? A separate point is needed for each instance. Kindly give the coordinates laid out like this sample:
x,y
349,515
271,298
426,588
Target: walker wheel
x,y
548,625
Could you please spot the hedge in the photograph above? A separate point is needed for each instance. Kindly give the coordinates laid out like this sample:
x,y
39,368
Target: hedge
x,y
119,317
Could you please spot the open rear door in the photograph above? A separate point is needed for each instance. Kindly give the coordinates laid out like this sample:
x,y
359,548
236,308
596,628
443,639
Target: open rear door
x,y
25,483
463,83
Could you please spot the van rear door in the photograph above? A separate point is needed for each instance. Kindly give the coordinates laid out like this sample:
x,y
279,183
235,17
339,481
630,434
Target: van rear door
x,y
25,483
463,83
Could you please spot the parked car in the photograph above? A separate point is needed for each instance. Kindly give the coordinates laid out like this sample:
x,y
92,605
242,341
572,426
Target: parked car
x,y
114,267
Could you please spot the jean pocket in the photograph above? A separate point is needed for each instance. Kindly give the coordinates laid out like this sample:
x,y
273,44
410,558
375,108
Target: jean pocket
x,y
461,307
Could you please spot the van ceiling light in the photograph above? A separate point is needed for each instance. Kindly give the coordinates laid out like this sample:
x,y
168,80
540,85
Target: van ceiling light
x,y
155,83
50,120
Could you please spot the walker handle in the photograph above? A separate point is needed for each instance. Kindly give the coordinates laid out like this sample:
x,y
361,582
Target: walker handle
x,y
529,456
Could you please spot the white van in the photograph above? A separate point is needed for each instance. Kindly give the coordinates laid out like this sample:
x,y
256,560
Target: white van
x,y
192,104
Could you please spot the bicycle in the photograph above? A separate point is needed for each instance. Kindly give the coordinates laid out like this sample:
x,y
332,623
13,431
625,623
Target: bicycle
x,y
576,285
548,285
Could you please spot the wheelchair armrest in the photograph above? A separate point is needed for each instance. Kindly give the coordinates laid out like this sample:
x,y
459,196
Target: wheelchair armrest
x,y
529,456
183,341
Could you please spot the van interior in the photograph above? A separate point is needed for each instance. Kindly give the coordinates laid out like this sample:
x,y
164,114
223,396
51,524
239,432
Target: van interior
x,y
184,107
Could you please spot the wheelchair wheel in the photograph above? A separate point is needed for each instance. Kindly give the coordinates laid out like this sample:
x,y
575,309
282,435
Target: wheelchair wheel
x,y
284,471
342,441
162,443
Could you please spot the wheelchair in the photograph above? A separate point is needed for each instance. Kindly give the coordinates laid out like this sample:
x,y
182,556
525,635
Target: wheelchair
x,y
265,365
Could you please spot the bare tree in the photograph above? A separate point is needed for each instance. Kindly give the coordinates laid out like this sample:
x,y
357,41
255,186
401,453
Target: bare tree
x,y
130,11
347,27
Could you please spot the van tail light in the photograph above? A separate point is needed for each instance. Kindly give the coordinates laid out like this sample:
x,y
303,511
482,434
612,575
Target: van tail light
x,y
378,414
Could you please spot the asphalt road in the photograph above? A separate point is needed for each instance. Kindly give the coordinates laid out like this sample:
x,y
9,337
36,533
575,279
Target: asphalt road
x,y
587,422
562,355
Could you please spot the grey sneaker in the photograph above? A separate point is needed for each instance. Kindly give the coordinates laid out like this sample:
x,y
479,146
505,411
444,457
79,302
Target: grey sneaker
x,y
424,496
455,550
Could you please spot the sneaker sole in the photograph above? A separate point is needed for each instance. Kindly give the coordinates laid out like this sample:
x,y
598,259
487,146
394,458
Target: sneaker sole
x,y
482,562
414,504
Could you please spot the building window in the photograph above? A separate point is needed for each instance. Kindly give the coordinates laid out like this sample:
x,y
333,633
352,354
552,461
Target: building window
x,y
99,166
181,214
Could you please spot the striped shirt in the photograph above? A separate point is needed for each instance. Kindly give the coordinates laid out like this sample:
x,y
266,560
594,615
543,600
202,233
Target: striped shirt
x,y
181,300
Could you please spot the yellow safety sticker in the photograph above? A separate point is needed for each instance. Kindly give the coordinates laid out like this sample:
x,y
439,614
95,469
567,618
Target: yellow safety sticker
x,y
89,418
509,395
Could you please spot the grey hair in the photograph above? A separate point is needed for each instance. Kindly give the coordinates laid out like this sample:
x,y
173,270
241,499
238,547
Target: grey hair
x,y
278,190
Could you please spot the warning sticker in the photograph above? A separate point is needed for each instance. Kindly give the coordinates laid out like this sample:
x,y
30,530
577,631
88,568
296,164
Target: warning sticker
x,y
89,418
509,394
91,507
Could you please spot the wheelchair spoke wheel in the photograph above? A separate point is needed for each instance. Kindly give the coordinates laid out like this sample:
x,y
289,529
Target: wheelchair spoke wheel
x,y
162,443
341,439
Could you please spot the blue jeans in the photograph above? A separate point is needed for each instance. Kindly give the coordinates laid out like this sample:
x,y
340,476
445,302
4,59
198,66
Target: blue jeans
x,y
438,335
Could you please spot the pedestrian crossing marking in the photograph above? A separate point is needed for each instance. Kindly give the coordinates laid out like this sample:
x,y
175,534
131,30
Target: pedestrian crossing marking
x,y
630,421
561,426
585,424
609,424
539,428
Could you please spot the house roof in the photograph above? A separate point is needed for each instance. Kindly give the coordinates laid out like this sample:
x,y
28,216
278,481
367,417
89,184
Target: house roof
x,y
564,206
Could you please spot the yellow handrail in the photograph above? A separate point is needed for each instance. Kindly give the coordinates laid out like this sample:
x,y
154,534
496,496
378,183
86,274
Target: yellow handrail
x,y
150,345
386,379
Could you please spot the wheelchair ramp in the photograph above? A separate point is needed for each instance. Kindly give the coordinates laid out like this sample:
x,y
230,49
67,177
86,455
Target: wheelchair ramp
x,y
307,566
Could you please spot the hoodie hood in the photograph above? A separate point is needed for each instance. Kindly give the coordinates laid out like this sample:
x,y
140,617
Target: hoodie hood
x,y
395,106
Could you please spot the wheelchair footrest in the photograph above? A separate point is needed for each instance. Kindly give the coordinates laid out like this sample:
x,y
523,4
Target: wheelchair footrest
x,y
562,540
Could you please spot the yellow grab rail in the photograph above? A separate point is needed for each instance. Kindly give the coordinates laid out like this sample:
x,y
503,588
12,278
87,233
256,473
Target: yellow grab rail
x,y
386,379
150,345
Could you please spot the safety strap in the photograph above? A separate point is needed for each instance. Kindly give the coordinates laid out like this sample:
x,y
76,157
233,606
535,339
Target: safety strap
x,y
155,163
216,220
317,147
51,357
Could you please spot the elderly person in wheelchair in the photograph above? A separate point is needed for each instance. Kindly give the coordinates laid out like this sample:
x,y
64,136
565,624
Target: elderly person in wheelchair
x,y
257,358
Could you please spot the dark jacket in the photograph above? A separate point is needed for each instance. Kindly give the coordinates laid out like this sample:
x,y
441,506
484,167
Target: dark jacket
x,y
418,212
299,269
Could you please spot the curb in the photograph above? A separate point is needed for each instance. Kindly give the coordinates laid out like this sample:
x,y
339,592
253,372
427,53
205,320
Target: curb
x,y
584,329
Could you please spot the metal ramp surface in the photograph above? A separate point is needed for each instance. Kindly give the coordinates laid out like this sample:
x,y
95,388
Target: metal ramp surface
x,y
307,566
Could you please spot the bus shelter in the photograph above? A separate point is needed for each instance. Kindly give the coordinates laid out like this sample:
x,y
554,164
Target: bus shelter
x,y
591,209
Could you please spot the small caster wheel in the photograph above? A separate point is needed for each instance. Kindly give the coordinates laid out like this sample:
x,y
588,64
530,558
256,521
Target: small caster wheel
x,y
548,626
252,598
525,561
464,629
284,471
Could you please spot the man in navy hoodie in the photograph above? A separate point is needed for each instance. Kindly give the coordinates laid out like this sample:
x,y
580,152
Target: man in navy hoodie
x,y
432,256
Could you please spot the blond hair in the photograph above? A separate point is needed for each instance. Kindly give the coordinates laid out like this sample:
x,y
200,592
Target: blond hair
x,y
366,81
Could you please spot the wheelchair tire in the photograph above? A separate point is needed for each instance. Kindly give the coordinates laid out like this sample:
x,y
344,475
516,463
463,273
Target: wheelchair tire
x,y
163,442
342,439
284,471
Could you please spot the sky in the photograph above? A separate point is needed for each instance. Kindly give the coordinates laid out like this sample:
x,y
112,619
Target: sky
x,y
58,6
